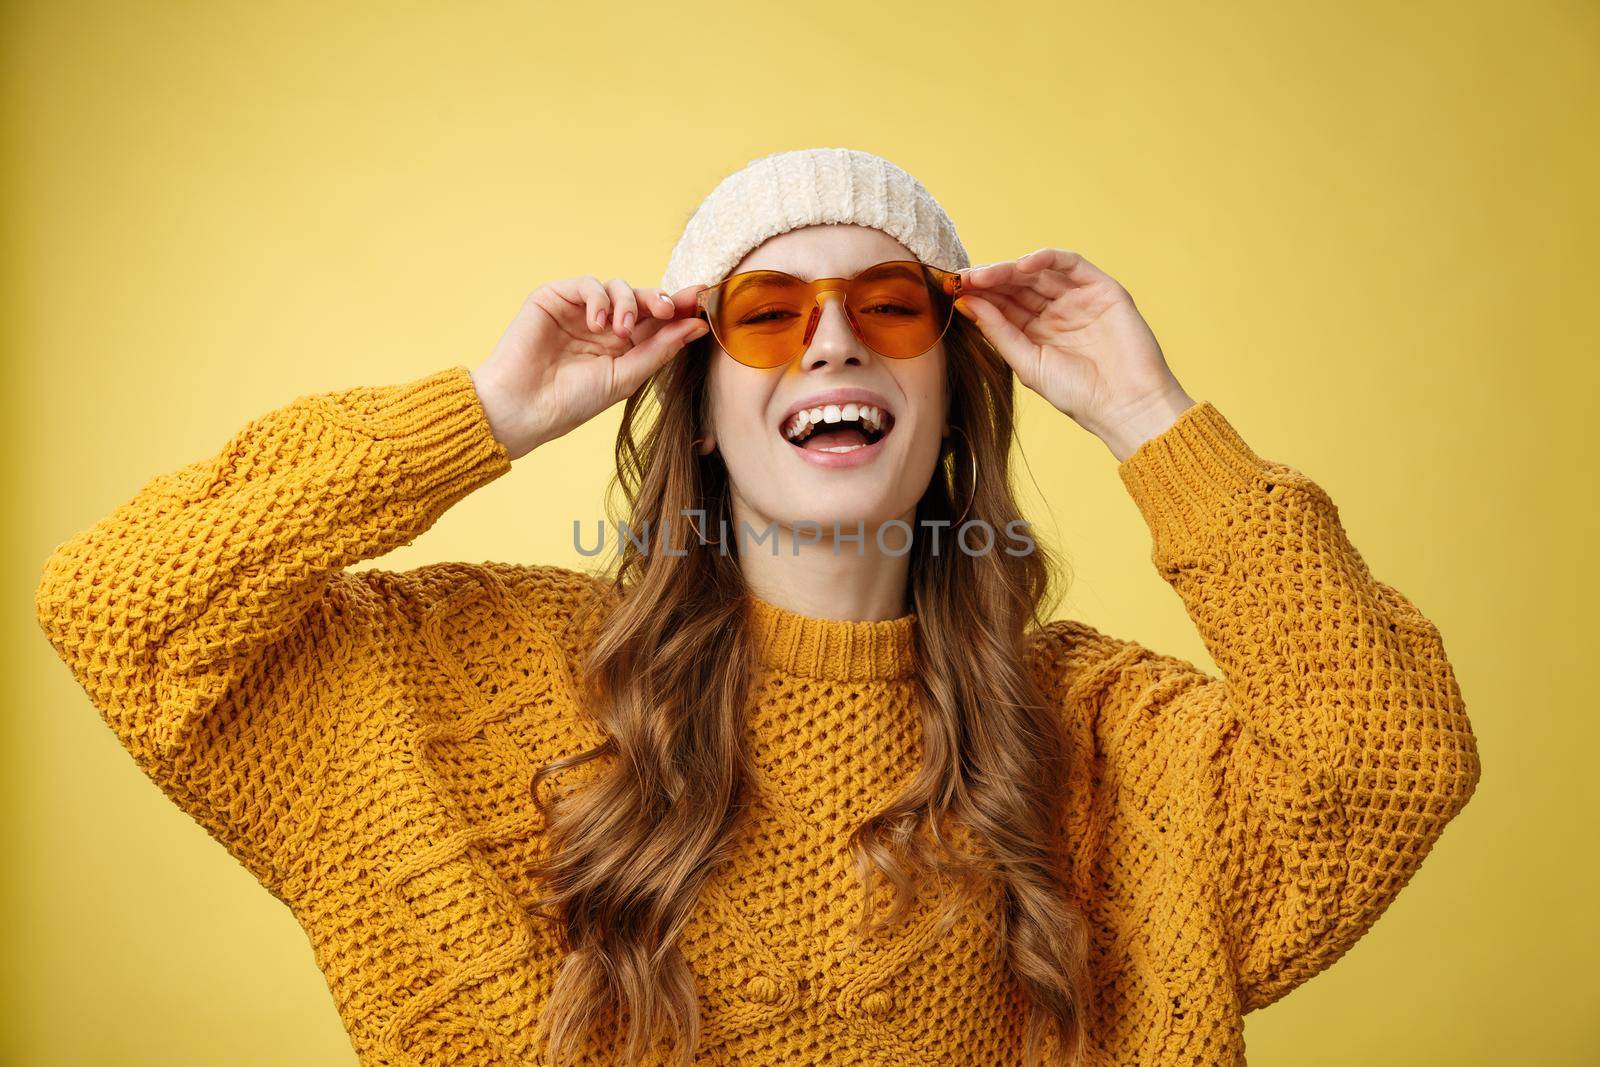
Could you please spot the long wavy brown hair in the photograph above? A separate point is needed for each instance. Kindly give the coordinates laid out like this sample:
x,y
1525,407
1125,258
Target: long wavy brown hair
x,y
627,855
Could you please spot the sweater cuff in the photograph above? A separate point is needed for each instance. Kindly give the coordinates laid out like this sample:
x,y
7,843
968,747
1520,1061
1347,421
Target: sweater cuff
x,y
436,421
1185,479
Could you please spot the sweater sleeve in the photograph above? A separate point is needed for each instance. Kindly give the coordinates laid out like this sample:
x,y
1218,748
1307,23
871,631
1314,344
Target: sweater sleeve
x,y
1313,777
203,615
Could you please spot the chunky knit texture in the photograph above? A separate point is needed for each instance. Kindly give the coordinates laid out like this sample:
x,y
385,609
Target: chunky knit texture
x,y
364,743
809,187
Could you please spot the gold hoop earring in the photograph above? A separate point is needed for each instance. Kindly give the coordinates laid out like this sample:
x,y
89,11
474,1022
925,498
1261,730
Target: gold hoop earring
x,y
971,452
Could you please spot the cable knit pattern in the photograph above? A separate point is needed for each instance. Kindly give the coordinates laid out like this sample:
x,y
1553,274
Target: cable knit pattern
x,y
364,743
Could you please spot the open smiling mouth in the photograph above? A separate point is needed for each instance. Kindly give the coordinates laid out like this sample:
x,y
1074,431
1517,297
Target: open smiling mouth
x,y
838,428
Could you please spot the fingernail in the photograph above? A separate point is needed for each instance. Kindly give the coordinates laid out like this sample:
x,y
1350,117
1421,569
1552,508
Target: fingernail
x,y
665,297
627,320
965,309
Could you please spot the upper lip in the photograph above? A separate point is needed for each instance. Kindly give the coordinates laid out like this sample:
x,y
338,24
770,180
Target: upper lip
x,y
837,396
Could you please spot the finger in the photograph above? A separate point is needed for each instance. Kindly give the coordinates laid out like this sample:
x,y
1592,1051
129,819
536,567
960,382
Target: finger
x,y
984,275
572,292
642,360
596,303
1071,265
1016,311
655,302
664,309
1003,334
1019,305
683,301
1011,278
624,308
1046,271
1025,297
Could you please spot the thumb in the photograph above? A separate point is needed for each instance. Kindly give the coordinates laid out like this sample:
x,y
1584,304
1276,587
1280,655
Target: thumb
x,y
644,359
1012,344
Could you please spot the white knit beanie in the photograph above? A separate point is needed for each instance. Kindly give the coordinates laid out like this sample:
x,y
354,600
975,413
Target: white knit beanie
x,y
787,190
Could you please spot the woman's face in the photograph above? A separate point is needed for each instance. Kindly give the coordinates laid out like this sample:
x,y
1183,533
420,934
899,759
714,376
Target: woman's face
x,y
824,478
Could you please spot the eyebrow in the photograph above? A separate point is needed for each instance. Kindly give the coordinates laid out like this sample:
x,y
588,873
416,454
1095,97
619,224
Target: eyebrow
x,y
895,272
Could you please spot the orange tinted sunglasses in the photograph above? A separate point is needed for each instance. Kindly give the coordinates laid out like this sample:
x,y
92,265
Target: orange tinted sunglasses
x,y
764,318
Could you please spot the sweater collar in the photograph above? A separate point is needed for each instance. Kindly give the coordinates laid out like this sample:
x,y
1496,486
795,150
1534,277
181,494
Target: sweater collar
x,y
837,649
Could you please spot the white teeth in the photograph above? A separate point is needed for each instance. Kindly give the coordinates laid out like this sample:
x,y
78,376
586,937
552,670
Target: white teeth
x,y
868,416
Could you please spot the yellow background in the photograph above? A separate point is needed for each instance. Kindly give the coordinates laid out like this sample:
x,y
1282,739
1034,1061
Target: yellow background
x,y
1367,233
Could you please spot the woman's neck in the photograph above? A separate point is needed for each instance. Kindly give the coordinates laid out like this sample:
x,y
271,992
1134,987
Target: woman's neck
x,y
806,571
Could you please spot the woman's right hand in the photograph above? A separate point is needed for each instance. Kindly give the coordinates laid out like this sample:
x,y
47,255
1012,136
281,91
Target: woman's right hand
x,y
577,347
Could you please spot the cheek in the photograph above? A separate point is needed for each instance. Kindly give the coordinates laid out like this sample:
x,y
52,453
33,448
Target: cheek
x,y
922,381
736,399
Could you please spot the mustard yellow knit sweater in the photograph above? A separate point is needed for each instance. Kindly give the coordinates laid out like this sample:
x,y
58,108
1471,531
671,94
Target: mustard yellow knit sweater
x,y
363,742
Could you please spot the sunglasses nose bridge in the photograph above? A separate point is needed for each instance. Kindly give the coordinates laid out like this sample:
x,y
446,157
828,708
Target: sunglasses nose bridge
x,y
821,290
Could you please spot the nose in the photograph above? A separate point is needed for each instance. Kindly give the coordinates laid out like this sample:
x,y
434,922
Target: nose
x,y
832,339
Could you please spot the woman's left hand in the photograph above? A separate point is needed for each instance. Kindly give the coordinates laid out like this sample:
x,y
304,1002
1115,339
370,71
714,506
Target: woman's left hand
x,y
1073,335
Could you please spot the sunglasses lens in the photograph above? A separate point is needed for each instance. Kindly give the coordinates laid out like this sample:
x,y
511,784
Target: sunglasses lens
x,y
760,317
900,313
898,309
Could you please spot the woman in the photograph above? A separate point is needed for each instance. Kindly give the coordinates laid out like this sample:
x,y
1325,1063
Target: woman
x,y
805,778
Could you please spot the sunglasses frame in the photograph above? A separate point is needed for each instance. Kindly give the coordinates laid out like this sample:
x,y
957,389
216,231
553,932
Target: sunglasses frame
x,y
947,281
